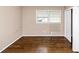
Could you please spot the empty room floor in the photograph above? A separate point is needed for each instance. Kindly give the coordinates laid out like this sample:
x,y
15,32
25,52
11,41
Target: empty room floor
x,y
37,44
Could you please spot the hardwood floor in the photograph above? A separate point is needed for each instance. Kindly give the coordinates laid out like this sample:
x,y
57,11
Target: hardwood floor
x,y
40,45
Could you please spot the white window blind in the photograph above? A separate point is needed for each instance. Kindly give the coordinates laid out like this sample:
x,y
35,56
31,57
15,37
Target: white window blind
x,y
48,16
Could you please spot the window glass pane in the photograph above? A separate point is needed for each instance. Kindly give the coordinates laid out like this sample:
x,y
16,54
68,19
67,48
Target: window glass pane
x,y
42,13
48,16
54,20
55,16
42,19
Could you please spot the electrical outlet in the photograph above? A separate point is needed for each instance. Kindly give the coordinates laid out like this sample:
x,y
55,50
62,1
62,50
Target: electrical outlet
x,y
51,32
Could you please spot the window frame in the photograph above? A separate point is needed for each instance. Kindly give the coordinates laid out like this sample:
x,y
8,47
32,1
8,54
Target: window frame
x,y
48,11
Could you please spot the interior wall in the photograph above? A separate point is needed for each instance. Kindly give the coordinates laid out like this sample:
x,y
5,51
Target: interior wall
x,y
75,29
31,28
10,25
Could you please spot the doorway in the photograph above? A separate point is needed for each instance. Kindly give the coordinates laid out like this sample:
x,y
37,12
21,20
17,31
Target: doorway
x,y
69,25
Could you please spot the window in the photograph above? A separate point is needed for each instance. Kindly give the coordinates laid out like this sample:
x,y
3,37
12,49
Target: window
x,y
48,16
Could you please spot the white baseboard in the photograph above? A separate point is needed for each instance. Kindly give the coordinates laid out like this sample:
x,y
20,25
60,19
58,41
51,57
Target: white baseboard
x,y
67,38
10,43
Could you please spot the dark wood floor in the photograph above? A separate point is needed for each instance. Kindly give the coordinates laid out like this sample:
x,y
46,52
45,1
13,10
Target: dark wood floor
x,y
40,45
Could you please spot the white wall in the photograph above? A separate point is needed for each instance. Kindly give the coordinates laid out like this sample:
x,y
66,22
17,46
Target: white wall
x,y
68,23
10,25
76,29
31,28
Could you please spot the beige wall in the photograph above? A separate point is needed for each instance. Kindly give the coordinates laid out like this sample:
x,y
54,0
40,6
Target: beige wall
x,y
10,25
31,28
